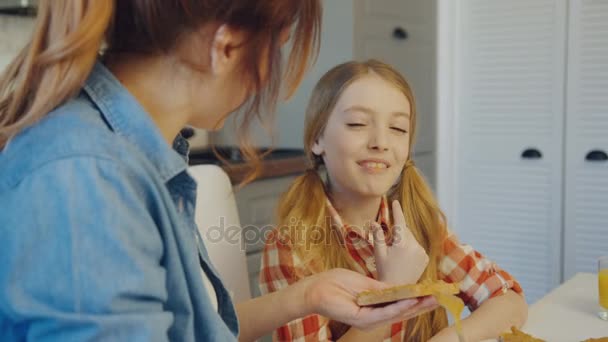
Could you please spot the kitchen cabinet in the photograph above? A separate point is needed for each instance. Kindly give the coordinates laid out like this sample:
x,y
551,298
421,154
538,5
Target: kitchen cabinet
x,y
526,170
585,196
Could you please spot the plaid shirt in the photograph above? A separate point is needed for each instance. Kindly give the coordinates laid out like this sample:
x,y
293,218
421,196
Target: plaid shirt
x,y
479,277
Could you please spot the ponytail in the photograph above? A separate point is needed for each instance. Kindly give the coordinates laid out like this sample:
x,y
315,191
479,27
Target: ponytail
x,y
54,65
306,224
421,210
427,223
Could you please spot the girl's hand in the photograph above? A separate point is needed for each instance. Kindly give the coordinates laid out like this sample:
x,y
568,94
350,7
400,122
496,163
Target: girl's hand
x,y
446,335
333,294
404,261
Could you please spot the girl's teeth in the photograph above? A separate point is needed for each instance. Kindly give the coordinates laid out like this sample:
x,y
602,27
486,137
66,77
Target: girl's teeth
x,y
373,165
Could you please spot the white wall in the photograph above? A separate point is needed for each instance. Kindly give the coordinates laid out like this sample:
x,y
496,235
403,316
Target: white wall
x,y
336,47
445,139
14,33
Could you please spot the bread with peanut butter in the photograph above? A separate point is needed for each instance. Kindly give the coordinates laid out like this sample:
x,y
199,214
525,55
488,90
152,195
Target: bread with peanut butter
x,y
400,292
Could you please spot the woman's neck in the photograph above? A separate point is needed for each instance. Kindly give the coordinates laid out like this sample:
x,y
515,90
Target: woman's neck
x,y
147,79
356,211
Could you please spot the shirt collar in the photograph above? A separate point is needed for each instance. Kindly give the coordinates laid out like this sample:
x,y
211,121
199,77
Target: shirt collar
x,y
382,218
126,117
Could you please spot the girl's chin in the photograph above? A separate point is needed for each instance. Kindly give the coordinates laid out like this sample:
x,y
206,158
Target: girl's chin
x,y
374,189
364,187
371,192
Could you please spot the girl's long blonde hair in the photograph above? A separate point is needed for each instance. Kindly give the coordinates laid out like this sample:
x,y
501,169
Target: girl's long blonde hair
x,y
69,34
302,212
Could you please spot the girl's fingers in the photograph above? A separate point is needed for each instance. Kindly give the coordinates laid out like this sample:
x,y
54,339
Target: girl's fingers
x,y
380,247
401,233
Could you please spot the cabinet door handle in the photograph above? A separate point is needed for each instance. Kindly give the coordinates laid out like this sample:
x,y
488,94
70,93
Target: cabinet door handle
x,y
399,33
531,153
596,156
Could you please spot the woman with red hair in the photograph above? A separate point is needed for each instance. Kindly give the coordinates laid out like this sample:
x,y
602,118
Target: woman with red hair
x,y
97,208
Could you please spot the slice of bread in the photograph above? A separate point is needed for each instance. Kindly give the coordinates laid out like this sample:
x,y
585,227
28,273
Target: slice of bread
x,y
517,335
401,292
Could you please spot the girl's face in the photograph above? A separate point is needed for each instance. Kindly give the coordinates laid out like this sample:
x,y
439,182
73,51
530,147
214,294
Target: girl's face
x,y
365,143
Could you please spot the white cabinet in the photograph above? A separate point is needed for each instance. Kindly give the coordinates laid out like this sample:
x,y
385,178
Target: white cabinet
x,y
586,177
528,88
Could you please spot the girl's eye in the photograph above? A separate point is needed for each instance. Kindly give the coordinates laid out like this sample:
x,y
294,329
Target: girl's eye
x,y
401,130
355,124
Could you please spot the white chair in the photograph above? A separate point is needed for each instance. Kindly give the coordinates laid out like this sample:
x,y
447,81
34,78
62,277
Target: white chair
x,y
217,218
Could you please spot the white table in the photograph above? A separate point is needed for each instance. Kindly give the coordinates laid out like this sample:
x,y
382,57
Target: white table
x,y
568,313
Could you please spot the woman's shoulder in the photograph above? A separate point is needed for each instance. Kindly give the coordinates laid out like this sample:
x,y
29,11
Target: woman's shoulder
x,y
73,131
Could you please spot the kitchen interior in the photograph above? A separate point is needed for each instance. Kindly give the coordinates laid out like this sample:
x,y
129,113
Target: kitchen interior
x,y
513,123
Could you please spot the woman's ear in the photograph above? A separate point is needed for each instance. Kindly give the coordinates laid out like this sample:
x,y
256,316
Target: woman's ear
x,y
223,47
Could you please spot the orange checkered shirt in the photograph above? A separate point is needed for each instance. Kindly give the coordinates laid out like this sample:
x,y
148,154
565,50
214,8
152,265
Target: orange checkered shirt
x,y
480,278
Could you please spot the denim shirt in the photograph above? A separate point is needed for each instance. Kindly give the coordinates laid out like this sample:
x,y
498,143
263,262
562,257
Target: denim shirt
x,y
97,232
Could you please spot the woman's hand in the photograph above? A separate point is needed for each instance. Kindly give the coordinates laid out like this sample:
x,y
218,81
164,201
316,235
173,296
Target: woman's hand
x,y
333,294
404,261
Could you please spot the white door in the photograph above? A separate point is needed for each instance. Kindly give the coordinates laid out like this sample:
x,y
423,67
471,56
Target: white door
x,y
509,87
403,34
586,201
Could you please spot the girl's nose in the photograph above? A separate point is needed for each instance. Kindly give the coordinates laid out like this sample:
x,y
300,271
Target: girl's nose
x,y
378,140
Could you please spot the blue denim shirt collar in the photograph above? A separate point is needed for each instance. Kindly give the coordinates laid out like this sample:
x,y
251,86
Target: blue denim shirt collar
x,y
126,117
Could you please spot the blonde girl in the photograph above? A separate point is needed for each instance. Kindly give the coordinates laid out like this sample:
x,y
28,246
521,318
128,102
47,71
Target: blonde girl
x,y
374,214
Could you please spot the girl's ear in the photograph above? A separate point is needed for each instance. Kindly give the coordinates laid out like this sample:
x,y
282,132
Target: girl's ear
x,y
317,148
